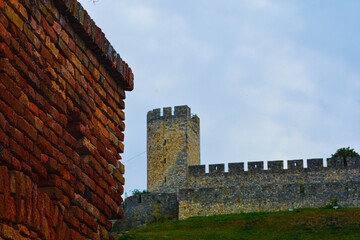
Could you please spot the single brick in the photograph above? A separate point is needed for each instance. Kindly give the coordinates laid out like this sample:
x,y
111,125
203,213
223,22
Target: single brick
x,y
48,29
10,13
27,128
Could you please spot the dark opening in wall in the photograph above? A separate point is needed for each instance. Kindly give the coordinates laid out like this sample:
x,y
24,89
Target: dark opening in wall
x,y
139,198
164,160
164,142
165,179
302,189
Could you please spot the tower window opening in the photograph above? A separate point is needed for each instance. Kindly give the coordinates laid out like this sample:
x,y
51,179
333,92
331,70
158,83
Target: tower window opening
x,y
255,166
164,142
164,160
165,179
302,189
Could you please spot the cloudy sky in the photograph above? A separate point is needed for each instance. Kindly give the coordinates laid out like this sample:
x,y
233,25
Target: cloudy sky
x,y
269,79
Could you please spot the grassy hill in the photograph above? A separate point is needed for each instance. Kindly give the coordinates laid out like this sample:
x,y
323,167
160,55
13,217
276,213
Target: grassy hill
x,y
297,224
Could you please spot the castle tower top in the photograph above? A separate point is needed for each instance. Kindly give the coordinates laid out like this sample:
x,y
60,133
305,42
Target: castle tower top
x,y
179,111
173,144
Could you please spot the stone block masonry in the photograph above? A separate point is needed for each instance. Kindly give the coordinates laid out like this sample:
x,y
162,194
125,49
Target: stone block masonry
x,y
140,210
257,189
186,189
173,144
220,192
62,91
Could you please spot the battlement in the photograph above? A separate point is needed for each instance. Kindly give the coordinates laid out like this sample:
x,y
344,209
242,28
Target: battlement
x,y
173,148
179,112
339,163
313,164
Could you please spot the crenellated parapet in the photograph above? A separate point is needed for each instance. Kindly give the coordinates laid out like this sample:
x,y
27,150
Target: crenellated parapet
x,y
255,166
276,165
314,164
272,189
173,158
340,163
167,113
295,164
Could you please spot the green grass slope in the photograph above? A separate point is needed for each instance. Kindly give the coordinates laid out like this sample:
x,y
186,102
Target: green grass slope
x,y
298,224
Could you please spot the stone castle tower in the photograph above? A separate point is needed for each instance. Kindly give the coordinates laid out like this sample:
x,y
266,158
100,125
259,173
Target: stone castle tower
x,y
181,188
173,144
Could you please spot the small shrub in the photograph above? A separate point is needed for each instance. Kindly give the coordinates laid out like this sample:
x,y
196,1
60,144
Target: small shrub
x,y
344,154
138,192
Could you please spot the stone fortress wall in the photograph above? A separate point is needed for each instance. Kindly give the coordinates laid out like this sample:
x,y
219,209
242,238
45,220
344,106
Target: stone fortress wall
x,y
142,209
219,192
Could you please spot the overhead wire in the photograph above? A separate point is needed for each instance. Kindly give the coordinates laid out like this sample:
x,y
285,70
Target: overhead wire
x,y
134,157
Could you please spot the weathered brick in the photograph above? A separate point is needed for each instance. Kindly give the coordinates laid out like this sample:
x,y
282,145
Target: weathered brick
x,y
6,67
85,147
10,13
48,29
22,11
23,230
47,55
27,128
5,51
39,125
3,122
32,37
53,192
18,136
69,218
120,189
56,127
51,136
4,141
19,151
60,104
57,27
13,3
78,130
9,113
11,100
10,85
45,145
37,167
8,232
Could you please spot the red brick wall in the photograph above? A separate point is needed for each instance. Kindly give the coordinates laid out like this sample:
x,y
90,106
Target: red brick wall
x,y
61,122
